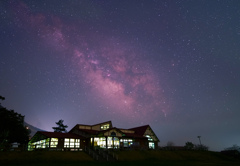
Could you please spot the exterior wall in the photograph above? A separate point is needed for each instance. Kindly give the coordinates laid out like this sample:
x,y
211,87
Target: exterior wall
x,y
81,133
83,143
60,143
96,128
156,145
143,143
85,127
108,133
127,131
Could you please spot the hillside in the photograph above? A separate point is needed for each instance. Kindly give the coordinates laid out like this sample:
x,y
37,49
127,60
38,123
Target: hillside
x,y
32,128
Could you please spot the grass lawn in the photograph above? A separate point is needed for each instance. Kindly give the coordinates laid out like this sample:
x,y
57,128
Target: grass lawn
x,y
44,158
177,158
138,158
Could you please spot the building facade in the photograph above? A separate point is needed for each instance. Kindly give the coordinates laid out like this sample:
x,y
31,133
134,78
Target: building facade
x,y
102,135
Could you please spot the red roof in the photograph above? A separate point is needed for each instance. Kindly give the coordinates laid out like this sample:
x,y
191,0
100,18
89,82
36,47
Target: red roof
x,y
140,130
59,135
130,135
133,135
103,123
89,131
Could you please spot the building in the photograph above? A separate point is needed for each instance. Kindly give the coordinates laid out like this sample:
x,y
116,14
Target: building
x,y
102,135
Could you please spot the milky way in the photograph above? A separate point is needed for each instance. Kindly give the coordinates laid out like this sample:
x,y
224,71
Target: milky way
x,y
116,77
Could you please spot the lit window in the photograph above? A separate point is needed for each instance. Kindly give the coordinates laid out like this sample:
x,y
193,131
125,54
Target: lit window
x,y
71,143
105,127
127,142
77,143
54,142
66,143
149,138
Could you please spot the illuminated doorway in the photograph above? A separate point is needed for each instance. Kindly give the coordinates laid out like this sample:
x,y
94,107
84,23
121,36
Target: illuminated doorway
x,y
151,145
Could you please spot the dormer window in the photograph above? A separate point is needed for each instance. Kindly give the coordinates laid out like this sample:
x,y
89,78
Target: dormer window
x,y
105,127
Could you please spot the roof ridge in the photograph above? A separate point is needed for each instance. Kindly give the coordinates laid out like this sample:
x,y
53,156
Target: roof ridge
x,y
139,126
95,124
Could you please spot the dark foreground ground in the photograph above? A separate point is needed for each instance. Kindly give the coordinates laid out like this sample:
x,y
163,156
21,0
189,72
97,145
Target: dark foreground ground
x,y
138,158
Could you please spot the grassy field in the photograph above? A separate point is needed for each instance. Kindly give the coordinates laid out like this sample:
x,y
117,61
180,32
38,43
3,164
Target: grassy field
x,y
178,158
164,158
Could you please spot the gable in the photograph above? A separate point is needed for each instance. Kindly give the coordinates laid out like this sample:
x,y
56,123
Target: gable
x,y
150,134
102,126
113,133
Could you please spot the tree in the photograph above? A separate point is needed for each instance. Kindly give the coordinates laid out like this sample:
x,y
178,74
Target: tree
x,y
234,147
2,98
61,127
170,144
233,151
189,146
201,147
12,128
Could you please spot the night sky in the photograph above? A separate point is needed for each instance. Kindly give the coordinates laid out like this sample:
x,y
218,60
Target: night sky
x,y
174,65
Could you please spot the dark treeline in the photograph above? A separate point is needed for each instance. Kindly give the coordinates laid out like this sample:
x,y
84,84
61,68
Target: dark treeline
x,y
12,128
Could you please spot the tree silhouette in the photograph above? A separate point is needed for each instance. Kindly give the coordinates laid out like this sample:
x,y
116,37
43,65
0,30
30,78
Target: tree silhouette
x,y
234,147
2,98
201,147
170,144
61,127
189,146
12,128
